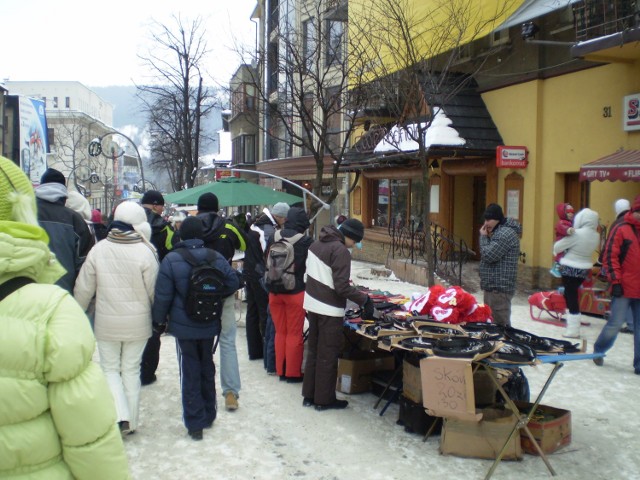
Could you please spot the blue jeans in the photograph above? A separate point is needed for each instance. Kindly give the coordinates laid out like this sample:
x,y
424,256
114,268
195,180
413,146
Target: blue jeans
x,y
229,371
269,344
618,315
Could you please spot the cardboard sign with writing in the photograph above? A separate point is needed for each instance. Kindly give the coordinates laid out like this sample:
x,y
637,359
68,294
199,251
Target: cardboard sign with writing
x,y
447,388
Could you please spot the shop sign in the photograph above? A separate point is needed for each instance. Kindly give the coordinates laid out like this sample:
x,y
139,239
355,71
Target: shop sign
x,y
508,156
631,112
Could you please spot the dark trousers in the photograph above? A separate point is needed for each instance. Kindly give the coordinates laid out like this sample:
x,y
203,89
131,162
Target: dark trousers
x,y
197,382
270,344
150,359
571,286
256,319
323,348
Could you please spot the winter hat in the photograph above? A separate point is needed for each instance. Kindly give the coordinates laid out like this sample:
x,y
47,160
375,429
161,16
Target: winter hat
x,y
621,205
494,212
17,198
51,175
133,214
636,205
280,209
191,228
96,216
352,228
77,202
152,197
208,202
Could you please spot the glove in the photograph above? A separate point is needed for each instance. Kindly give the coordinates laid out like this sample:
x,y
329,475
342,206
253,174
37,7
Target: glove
x,y
616,290
367,309
159,329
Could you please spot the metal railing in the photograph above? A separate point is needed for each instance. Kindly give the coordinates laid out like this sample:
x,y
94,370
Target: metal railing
x,y
449,253
597,18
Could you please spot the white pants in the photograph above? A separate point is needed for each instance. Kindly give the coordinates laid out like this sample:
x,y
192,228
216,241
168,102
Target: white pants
x,y
120,362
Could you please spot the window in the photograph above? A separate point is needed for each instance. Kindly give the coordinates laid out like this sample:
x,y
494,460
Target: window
x,y
244,150
334,43
397,202
67,102
309,43
55,102
243,99
332,111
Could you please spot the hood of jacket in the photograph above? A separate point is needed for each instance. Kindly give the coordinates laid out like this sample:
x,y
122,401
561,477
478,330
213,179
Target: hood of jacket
x,y
513,224
586,218
297,220
330,233
212,226
561,211
52,192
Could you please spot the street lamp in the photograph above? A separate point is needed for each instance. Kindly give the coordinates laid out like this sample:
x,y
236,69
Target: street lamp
x,y
95,149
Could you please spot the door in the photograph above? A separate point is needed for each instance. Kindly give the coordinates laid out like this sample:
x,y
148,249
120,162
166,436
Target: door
x,y
479,205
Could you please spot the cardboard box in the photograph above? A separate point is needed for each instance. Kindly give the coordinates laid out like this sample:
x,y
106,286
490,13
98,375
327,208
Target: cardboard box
x,y
484,389
354,373
483,439
551,427
411,381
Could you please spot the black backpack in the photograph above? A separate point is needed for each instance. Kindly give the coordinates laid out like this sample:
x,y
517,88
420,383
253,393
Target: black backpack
x,y
204,298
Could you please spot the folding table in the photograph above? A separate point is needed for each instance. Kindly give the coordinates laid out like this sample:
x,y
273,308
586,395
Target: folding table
x,y
524,418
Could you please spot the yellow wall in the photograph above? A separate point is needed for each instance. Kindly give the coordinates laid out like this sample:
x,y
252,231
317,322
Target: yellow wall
x,y
560,121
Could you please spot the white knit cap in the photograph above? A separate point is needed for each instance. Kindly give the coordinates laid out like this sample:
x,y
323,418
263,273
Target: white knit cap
x,y
76,201
621,205
134,215
280,209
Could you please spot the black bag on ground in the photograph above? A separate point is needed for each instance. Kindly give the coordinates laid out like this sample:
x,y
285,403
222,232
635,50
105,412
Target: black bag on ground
x,y
204,298
516,387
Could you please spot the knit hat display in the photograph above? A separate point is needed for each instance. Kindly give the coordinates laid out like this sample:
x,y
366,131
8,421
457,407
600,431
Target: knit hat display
x,y
208,202
636,205
17,198
191,228
494,212
133,214
621,205
152,197
77,203
352,228
280,209
51,175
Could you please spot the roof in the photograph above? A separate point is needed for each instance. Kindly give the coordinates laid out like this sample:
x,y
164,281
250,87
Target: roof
x,y
530,9
623,165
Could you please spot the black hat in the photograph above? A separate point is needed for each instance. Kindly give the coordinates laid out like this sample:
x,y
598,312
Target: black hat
x,y
208,202
51,175
352,228
152,197
494,212
191,228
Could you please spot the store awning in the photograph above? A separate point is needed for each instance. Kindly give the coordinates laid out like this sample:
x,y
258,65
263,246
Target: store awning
x,y
531,9
623,165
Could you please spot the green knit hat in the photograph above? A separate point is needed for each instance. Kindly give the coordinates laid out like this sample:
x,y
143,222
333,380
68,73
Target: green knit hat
x,y
17,198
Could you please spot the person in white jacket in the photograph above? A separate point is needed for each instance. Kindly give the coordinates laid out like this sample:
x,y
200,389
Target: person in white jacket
x,y
576,263
121,272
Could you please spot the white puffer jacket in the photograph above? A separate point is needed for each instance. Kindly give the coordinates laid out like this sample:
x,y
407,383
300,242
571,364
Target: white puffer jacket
x,y
580,247
122,276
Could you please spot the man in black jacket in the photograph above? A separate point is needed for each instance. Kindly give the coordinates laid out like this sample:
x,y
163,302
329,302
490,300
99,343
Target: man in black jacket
x,y
69,236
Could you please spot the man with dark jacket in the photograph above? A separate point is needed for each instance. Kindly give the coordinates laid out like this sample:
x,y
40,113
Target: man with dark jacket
x,y
69,236
225,238
328,272
194,340
161,237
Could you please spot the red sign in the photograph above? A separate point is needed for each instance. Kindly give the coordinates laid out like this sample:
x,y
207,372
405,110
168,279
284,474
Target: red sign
x,y
225,174
508,156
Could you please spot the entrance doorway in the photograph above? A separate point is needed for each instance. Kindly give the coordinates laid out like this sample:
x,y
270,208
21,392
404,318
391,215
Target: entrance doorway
x,y
479,205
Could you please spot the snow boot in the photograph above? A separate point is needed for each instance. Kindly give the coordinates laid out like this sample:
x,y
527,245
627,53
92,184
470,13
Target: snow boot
x,y
573,326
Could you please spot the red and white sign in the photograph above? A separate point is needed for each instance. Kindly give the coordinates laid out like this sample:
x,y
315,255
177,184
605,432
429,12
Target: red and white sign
x,y
631,112
508,156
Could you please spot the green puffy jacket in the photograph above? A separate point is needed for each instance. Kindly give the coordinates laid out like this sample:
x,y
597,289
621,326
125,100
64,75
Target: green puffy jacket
x,y
57,416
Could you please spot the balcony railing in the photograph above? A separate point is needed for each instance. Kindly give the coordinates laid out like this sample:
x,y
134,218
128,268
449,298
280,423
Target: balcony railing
x,y
597,18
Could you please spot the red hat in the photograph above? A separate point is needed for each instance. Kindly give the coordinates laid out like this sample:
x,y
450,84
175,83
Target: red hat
x,y
636,205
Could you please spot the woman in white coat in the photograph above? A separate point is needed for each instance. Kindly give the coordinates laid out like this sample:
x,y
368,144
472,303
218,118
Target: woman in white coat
x,y
121,272
576,263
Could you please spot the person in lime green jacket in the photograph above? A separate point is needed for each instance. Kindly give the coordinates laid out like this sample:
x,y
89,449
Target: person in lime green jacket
x,y
57,416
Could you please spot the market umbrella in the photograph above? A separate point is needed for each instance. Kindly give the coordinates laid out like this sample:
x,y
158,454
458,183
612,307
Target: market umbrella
x,y
232,192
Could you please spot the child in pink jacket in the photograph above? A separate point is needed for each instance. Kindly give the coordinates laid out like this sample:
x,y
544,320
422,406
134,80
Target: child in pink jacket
x,y
564,228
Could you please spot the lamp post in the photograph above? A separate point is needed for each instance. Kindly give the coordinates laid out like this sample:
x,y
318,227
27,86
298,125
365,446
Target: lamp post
x,y
95,149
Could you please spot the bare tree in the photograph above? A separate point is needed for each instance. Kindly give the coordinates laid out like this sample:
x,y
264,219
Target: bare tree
x,y
413,51
177,100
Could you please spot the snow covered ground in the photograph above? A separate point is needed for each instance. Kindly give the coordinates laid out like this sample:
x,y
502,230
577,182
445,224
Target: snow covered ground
x,y
272,436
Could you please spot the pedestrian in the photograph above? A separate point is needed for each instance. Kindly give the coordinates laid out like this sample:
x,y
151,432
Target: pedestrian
x,y
121,272
57,418
327,291
224,237
194,340
576,263
69,236
499,253
563,228
162,239
78,203
621,260
99,227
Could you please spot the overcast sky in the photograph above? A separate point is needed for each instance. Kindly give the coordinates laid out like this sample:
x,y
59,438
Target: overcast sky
x,y
98,43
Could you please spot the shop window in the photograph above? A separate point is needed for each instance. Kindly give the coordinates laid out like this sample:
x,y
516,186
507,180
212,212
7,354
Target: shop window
x,y
397,202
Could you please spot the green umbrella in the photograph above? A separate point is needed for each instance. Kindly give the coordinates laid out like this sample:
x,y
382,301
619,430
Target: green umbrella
x,y
232,192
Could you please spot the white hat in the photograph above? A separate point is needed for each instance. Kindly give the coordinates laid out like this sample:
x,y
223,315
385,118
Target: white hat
x,y
76,201
621,205
280,209
133,214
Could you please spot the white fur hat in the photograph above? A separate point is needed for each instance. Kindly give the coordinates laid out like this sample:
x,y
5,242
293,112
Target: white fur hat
x,y
134,215
621,205
77,202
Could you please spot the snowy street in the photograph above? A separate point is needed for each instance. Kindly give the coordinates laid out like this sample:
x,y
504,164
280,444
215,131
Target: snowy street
x,y
272,436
